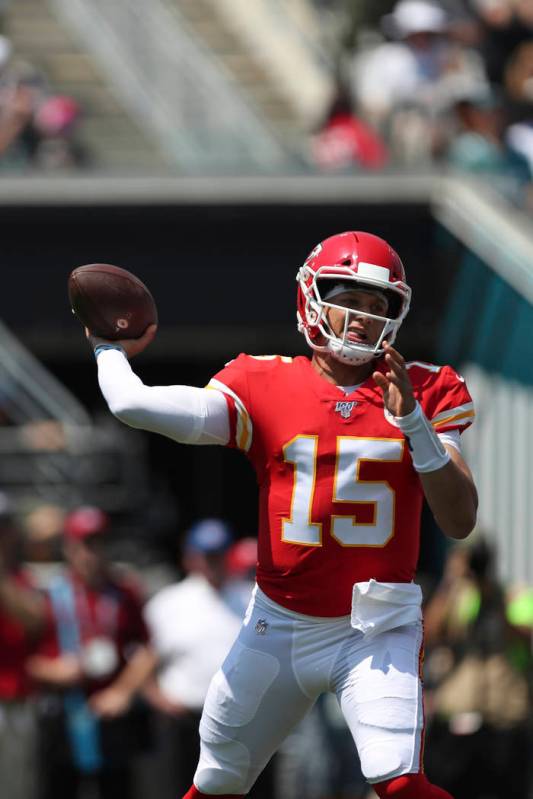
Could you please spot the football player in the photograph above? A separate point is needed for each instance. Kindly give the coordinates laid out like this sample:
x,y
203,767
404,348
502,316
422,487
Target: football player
x,y
345,445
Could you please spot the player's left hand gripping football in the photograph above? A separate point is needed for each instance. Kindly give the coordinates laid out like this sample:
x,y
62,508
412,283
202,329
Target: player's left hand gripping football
x,y
131,346
395,384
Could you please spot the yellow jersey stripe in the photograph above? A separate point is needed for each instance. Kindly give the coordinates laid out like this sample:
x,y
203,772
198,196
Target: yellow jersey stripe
x,y
243,434
454,418
467,406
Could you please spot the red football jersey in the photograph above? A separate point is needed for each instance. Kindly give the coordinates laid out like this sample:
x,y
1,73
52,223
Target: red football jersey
x,y
339,499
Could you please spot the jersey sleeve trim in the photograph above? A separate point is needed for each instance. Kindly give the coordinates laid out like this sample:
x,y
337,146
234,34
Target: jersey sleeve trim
x,y
454,415
430,367
244,432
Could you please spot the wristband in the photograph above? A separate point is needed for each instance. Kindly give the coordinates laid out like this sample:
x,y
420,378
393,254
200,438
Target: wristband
x,y
101,347
427,450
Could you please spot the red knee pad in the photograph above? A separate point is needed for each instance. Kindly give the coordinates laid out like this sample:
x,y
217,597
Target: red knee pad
x,y
409,786
194,793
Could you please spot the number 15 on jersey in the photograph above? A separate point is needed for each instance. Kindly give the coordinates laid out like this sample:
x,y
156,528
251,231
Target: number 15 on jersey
x,y
347,487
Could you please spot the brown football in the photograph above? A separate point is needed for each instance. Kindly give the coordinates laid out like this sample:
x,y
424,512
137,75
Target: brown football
x,y
112,302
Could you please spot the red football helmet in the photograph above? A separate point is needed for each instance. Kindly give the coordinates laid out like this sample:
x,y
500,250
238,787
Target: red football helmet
x,y
367,262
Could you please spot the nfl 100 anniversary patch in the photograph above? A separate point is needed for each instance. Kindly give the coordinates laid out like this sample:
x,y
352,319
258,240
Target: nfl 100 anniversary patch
x,y
345,408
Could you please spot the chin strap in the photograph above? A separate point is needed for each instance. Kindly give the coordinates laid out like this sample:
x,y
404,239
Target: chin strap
x,y
351,358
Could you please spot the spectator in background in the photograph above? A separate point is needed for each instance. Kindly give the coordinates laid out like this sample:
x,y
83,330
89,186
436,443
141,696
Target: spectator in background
x,y
505,24
345,143
519,89
89,665
37,128
43,534
477,668
16,110
480,146
193,625
22,616
55,123
405,85
520,609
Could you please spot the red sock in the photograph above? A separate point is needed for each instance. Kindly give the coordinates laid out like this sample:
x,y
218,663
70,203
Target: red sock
x,y
194,793
410,786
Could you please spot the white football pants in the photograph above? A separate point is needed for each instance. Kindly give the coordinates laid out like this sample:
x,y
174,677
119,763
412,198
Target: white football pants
x,y
278,666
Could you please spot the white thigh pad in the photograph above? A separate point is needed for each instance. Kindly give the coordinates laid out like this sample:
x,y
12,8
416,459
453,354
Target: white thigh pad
x,y
252,703
381,699
240,684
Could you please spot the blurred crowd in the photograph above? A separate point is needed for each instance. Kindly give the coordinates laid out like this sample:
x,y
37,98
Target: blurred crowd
x,y
101,678
446,83
38,127
103,672
419,84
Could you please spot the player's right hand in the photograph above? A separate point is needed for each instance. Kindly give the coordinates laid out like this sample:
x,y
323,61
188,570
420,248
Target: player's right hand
x,y
131,346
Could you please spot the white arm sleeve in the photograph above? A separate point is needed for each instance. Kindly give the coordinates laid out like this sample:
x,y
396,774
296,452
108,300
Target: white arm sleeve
x,y
184,413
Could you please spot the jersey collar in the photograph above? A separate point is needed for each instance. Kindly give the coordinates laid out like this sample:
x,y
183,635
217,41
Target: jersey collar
x,y
327,391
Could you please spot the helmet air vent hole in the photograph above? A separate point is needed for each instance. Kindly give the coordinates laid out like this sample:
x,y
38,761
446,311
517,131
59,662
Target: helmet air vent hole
x,y
347,262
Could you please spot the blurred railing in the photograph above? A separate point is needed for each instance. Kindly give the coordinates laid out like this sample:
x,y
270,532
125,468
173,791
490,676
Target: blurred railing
x,y
489,226
307,21
28,392
174,86
290,46
487,332
498,450
50,449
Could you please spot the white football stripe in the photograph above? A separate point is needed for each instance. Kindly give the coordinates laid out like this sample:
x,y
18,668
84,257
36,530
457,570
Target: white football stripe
x,y
373,271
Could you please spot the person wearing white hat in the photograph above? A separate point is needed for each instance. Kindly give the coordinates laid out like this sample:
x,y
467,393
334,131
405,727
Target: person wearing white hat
x,y
412,74
410,17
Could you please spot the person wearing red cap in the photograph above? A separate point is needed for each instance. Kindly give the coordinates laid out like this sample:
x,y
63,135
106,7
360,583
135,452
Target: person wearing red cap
x,y
346,444
92,660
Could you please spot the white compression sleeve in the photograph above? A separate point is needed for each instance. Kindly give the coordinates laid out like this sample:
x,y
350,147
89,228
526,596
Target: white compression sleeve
x,y
184,413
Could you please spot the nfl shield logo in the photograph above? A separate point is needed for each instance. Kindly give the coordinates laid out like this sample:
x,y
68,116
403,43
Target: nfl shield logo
x,y
261,627
344,408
